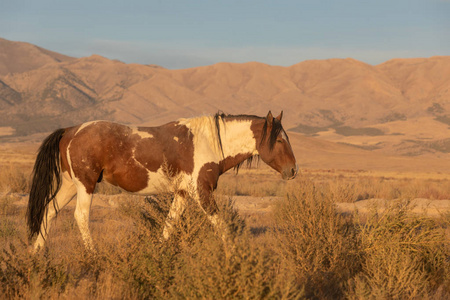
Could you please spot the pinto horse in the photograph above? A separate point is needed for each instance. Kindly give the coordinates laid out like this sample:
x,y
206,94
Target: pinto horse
x,y
197,151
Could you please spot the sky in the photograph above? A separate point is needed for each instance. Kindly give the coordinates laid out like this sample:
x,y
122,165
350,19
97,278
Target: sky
x,y
180,34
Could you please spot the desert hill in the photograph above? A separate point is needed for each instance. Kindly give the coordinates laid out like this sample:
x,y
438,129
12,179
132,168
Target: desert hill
x,y
17,57
399,107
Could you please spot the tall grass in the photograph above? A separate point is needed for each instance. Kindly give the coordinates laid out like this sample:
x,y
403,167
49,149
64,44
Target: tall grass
x,y
320,244
14,179
402,256
388,254
197,262
307,250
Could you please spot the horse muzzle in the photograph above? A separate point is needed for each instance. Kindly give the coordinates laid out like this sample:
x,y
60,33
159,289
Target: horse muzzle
x,y
290,172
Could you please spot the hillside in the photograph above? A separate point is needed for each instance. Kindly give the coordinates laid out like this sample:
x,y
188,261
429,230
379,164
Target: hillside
x,y
17,57
399,107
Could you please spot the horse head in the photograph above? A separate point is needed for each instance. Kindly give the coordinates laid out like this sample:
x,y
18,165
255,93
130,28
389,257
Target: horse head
x,y
274,147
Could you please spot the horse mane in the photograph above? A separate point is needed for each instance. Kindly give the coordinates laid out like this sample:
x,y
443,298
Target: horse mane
x,y
213,123
212,126
221,116
274,132
248,162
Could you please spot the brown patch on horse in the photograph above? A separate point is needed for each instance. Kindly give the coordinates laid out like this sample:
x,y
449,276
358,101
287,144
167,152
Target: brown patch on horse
x,y
206,183
172,142
270,143
124,156
208,177
235,161
106,147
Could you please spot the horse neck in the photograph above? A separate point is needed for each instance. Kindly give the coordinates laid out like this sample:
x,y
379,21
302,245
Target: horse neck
x,y
238,142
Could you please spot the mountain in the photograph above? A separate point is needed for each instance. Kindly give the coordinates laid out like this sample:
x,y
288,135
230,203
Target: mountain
x,y
18,57
401,106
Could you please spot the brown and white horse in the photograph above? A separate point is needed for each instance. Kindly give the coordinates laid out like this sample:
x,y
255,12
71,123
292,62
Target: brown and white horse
x,y
197,151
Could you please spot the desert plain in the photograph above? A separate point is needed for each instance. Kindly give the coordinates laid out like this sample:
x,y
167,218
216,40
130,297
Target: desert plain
x,y
372,142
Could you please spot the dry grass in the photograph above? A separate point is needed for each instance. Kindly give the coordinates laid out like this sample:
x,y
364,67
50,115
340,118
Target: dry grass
x,y
251,184
14,179
304,249
343,186
135,263
317,242
402,256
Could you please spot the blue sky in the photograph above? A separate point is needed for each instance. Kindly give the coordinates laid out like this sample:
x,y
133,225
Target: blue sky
x,y
181,34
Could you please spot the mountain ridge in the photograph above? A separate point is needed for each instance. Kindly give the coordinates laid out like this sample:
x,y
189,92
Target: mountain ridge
x,y
340,100
18,57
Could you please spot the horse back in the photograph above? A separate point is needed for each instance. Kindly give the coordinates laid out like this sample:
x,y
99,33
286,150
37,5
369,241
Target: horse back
x,y
126,156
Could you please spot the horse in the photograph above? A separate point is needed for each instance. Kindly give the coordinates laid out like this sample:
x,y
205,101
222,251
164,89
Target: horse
x,y
71,161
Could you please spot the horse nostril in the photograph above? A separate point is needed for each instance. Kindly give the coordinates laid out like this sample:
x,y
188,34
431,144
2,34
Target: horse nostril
x,y
293,171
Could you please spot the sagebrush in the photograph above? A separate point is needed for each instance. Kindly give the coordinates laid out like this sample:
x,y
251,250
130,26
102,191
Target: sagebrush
x,y
304,249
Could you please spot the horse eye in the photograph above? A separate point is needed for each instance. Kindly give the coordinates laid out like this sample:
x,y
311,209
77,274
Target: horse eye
x,y
279,141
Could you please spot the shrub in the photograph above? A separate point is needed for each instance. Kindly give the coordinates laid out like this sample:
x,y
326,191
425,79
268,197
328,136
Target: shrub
x,y
199,260
390,253
26,276
306,250
320,243
14,180
403,256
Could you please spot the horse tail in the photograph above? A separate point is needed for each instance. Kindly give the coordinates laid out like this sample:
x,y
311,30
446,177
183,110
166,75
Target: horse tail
x,y
46,181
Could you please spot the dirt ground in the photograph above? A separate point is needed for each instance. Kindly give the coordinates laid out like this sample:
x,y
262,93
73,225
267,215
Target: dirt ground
x,y
261,205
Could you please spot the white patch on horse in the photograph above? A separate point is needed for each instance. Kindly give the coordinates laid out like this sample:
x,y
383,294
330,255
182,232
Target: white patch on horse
x,y
175,138
237,138
142,134
84,125
159,182
176,209
75,179
205,136
82,211
69,160
133,151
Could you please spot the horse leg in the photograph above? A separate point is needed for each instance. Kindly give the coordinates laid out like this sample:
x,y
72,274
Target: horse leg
x,y
65,194
209,206
219,225
176,210
82,210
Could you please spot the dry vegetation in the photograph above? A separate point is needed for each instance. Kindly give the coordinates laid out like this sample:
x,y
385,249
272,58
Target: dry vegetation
x,y
304,248
343,185
300,244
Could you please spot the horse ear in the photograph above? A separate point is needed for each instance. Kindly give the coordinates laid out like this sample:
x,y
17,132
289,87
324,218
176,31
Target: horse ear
x,y
280,116
269,119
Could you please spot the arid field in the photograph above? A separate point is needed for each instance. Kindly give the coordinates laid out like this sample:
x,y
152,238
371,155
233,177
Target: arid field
x,y
367,217
328,234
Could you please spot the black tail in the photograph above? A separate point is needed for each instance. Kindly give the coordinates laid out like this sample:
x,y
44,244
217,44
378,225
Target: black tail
x,y
46,181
